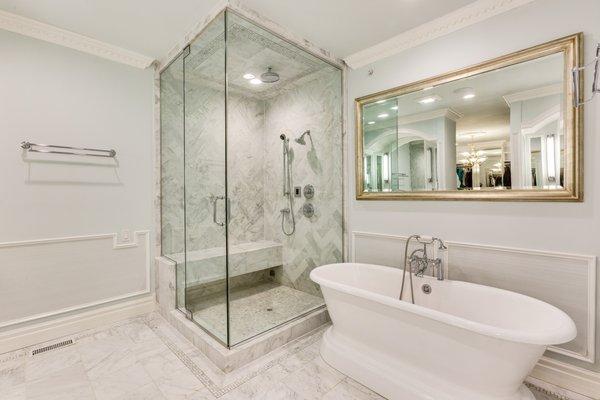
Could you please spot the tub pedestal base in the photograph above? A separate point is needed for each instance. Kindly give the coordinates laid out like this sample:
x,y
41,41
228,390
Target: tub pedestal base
x,y
391,379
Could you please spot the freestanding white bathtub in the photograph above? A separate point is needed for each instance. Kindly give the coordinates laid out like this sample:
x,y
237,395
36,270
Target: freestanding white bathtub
x,y
460,342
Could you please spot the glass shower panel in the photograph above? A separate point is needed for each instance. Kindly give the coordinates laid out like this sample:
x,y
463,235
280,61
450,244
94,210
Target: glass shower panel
x,y
284,130
205,181
172,165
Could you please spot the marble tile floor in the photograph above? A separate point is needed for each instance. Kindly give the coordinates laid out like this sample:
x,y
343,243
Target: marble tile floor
x,y
146,359
253,310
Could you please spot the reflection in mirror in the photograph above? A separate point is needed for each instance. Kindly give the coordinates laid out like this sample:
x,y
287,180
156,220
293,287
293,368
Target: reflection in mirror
x,y
498,130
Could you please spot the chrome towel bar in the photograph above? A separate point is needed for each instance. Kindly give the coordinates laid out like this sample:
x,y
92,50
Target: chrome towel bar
x,y
79,151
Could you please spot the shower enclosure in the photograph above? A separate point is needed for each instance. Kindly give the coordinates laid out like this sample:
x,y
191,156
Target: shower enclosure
x,y
234,107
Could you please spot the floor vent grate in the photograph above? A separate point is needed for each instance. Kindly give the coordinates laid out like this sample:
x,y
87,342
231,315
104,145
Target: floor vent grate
x,y
52,347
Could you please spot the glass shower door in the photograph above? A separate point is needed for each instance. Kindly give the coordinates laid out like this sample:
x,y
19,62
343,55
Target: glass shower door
x,y
205,181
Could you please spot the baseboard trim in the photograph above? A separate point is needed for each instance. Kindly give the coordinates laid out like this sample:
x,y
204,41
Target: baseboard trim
x,y
29,335
562,375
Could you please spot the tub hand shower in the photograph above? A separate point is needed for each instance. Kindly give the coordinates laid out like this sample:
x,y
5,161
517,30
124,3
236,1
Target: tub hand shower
x,y
422,262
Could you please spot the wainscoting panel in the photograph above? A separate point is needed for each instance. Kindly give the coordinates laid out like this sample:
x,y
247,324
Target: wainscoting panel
x,y
567,281
49,277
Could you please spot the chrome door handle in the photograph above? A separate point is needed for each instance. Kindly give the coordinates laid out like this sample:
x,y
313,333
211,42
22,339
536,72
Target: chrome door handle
x,y
215,199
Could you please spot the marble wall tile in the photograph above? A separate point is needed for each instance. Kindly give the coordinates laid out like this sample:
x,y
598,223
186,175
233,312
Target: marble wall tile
x,y
171,97
313,103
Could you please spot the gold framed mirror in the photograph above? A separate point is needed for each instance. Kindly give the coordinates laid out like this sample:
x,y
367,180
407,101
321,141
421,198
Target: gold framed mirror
x,y
502,130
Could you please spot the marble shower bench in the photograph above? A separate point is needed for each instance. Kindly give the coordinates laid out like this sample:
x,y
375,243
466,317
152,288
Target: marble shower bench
x,y
208,265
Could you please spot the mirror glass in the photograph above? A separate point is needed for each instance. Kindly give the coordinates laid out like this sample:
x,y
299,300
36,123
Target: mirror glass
x,y
495,131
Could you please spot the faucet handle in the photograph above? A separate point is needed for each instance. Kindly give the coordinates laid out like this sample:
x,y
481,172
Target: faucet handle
x,y
441,244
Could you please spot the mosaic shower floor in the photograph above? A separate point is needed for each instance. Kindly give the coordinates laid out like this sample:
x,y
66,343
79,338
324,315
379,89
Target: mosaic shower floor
x,y
253,310
146,358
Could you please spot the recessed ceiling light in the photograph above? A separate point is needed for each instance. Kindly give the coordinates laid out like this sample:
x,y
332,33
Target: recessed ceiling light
x,y
255,81
383,115
370,122
380,101
394,108
249,76
429,99
466,92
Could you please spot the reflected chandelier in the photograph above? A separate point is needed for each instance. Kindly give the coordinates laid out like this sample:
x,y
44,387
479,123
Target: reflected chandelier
x,y
473,158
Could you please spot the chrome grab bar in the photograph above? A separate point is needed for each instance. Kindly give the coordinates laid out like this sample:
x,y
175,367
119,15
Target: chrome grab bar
x,y
214,200
80,151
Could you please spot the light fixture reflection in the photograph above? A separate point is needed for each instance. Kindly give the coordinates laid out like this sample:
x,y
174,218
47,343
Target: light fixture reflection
x,y
385,167
429,99
551,158
255,81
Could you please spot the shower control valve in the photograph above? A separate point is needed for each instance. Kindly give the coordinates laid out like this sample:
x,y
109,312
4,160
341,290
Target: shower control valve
x,y
309,191
308,210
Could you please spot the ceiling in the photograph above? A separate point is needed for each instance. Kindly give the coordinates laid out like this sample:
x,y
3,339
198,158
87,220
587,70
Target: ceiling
x,y
153,27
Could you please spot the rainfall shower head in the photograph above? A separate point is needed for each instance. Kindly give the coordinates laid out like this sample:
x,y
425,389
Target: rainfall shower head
x,y
269,76
301,140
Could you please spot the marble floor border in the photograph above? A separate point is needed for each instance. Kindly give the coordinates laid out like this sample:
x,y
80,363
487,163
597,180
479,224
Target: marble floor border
x,y
287,350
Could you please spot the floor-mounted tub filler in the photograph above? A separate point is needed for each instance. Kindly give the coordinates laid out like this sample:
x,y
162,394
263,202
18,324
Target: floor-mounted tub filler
x,y
458,341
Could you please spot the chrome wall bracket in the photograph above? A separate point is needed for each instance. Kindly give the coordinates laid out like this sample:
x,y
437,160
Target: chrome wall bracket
x,y
577,77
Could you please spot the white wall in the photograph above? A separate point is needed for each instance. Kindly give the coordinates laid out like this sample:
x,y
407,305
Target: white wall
x,y
563,227
50,94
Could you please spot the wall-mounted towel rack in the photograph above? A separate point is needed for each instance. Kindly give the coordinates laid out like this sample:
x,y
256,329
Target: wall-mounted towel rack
x,y
576,76
78,151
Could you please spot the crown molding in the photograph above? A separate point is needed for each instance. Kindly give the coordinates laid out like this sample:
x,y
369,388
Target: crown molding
x,y
530,94
49,33
466,16
448,113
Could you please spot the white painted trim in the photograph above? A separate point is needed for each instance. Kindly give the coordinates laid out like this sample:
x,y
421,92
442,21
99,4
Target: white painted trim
x,y
554,391
589,355
530,94
30,335
570,377
471,14
49,33
116,246
533,126
449,113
